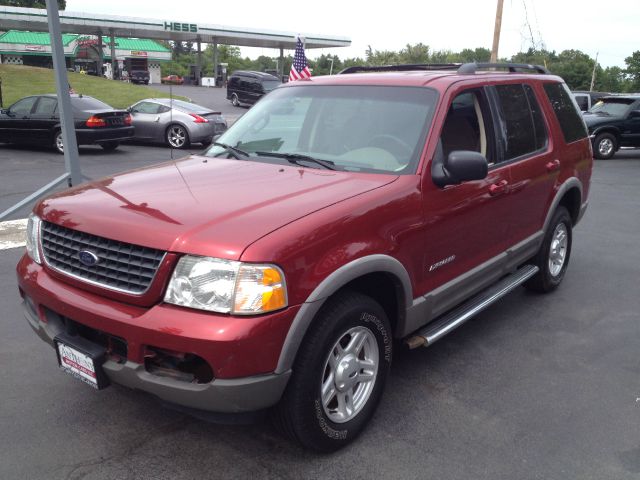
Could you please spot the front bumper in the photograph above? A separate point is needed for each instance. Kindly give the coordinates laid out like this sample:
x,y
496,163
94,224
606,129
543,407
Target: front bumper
x,y
243,353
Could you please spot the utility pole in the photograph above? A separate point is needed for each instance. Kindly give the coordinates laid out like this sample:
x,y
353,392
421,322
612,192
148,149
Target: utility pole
x,y
593,75
496,32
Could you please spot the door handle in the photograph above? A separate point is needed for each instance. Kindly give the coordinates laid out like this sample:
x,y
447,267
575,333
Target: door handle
x,y
498,188
553,166
157,119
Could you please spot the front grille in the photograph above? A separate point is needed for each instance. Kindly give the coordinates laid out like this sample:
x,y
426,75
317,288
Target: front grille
x,y
121,266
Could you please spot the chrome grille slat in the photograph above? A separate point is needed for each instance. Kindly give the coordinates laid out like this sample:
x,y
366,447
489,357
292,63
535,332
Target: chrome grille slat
x,y
123,266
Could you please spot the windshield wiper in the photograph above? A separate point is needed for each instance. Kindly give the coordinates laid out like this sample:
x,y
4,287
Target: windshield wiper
x,y
239,154
296,158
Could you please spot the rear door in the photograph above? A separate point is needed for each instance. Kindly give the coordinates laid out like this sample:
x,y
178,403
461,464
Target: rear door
x,y
43,119
534,167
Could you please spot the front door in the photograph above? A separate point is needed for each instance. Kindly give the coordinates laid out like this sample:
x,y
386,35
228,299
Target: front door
x,y
465,227
146,120
14,124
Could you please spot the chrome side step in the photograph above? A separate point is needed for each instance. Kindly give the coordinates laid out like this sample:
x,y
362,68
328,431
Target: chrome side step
x,y
458,316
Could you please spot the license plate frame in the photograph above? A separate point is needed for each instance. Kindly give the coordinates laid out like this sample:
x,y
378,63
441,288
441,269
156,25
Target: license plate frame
x,y
81,359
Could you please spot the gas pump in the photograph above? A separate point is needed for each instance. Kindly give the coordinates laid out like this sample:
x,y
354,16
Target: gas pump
x,y
221,75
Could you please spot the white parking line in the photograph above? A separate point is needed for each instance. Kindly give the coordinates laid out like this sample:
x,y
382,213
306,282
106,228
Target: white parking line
x,y
12,234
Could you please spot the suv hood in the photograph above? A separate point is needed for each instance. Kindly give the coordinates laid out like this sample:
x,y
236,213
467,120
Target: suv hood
x,y
202,206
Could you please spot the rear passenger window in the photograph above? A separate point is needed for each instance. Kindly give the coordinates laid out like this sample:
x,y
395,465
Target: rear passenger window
x,y
566,111
523,127
536,116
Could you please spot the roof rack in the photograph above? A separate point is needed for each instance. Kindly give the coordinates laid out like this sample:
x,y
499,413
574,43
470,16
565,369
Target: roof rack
x,y
400,68
461,68
471,68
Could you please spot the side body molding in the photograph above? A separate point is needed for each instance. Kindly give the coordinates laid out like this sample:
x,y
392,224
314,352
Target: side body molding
x,y
336,280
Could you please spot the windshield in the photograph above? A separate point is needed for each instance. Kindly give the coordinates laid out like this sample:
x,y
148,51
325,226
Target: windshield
x,y
356,128
269,85
611,106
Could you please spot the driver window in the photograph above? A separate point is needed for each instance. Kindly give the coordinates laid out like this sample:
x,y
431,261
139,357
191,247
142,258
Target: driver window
x,y
24,106
465,127
146,107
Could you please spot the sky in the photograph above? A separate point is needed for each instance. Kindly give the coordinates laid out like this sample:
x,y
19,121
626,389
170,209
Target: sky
x,y
593,26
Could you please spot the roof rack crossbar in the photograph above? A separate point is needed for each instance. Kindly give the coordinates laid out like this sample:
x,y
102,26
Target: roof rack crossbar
x,y
471,68
400,68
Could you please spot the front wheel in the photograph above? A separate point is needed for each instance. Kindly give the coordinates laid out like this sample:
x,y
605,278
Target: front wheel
x,y
553,257
339,375
605,146
177,136
235,101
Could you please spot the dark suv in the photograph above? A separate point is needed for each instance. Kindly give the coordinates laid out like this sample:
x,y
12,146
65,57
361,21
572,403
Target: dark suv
x,y
139,76
244,87
275,270
614,122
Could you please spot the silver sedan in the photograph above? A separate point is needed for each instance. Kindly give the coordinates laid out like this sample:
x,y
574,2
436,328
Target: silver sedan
x,y
175,122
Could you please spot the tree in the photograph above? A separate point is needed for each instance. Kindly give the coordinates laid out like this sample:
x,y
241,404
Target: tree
x,y
633,71
62,4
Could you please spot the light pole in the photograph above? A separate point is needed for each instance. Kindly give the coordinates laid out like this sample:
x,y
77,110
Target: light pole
x,y
331,69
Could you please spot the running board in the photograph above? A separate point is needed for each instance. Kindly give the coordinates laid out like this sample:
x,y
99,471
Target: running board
x,y
452,320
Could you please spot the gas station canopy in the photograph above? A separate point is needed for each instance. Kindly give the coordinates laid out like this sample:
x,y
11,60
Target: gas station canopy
x,y
35,20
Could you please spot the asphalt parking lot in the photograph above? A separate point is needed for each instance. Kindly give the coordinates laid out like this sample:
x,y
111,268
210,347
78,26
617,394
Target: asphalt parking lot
x,y
536,387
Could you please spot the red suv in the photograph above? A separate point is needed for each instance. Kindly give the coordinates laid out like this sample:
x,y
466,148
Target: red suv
x,y
276,269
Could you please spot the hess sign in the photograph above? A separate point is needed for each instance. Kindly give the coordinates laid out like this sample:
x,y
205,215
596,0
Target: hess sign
x,y
181,27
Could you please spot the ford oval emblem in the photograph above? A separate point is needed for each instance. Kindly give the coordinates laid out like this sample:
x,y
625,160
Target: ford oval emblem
x,y
88,258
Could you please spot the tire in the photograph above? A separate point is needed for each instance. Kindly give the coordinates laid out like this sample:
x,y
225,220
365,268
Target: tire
x,y
109,146
553,257
605,146
177,136
348,319
57,142
235,101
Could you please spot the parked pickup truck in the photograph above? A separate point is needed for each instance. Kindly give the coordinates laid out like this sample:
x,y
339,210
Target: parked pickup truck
x,y
273,271
139,76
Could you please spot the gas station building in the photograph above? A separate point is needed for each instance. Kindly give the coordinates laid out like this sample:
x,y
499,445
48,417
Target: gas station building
x,y
102,44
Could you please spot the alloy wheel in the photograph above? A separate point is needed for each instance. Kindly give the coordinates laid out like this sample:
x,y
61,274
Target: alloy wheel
x,y
349,374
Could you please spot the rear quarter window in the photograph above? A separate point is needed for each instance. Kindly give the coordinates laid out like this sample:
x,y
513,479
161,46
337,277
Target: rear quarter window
x,y
567,112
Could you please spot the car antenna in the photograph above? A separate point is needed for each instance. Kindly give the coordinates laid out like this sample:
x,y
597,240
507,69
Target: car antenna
x,y
171,114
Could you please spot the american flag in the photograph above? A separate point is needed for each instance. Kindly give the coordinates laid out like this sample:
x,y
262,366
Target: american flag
x,y
300,66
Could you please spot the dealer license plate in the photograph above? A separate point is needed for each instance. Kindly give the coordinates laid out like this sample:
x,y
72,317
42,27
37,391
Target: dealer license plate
x,y
85,364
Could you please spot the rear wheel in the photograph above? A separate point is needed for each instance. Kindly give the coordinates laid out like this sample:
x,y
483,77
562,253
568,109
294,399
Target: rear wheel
x,y
177,136
235,101
109,146
339,375
605,146
553,257
57,142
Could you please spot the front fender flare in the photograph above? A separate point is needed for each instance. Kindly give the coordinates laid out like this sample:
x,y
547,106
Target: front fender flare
x,y
331,284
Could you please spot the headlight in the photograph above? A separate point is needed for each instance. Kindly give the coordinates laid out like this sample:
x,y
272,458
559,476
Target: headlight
x,y
226,286
33,238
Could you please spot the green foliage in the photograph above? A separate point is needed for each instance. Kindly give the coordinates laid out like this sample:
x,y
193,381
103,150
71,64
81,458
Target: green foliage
x,y
574,66
633,71
62,4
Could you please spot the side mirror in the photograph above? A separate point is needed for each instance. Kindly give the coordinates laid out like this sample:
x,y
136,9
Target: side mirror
x,y
460,166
